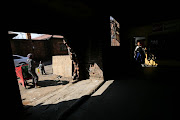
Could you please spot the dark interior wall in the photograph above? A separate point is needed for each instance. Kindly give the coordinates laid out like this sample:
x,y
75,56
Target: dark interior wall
x,y
117,58
11,106
87,42
167,47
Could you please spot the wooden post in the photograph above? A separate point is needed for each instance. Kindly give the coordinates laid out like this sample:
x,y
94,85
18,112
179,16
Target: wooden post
x,y
28,36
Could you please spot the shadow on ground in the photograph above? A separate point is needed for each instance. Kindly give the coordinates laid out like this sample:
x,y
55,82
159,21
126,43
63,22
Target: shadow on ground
x,y
153,95
46,83
123,99
149,94
45,112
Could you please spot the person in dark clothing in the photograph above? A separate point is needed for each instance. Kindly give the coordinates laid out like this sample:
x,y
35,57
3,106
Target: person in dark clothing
x,y
139,53
41,66
31,69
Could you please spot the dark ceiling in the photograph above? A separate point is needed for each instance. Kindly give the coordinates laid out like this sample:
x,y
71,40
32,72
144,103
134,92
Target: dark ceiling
x,y
43,16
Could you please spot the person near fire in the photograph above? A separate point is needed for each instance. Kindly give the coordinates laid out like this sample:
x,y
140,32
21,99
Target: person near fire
x,y
139,53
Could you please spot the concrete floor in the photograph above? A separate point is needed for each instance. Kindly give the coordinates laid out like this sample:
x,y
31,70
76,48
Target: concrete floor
x,y
150,95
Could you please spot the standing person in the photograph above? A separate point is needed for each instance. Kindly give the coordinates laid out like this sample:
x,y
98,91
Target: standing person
x,y
31,69
138,53
41,66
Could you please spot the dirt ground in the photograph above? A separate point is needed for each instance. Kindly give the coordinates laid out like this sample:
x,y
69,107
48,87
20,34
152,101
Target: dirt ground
x,y
55,95
50,85
47,83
